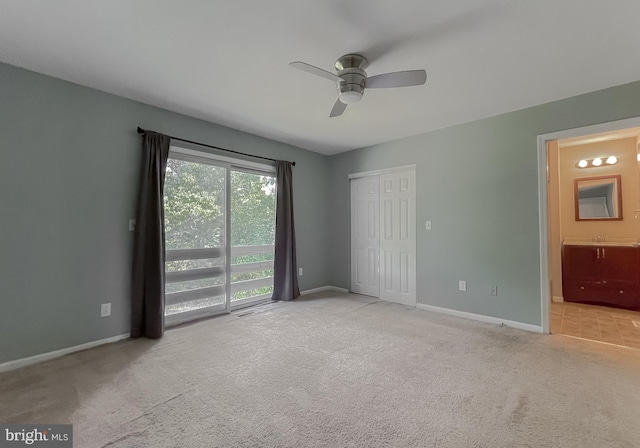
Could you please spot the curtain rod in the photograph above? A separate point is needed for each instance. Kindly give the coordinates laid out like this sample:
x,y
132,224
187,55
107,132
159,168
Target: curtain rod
x,y
142,131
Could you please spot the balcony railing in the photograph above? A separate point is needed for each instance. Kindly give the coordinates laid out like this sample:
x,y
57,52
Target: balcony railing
x,y
218,272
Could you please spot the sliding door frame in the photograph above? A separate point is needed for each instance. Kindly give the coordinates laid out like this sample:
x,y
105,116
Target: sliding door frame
x,y
229,164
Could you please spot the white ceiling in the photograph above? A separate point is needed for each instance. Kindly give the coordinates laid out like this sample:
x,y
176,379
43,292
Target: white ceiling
x,y
227,61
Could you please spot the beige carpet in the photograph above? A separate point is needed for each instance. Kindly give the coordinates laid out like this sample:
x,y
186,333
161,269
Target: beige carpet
x,y
337,371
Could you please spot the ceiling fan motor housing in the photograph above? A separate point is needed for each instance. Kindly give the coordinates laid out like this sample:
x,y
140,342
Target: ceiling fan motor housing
x,y
351,69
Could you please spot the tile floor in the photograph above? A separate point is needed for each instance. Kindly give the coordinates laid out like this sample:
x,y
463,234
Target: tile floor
x,y
598,323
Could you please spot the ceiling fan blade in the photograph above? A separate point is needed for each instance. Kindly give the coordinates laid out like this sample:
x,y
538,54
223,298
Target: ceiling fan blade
x,y
338,109
397,79
315,70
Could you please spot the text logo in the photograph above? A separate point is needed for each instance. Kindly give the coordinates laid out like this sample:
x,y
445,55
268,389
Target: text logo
x,y
14,436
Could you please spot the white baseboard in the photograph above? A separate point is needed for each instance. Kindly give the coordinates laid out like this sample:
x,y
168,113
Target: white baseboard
x,y
18,363
482,318
557,299
324,288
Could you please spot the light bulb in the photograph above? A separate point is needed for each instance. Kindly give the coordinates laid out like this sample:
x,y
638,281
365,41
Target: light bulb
x,y
597,162
612,160
638,157
583,164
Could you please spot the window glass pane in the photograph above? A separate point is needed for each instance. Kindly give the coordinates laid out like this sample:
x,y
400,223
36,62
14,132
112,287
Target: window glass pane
x,y
194,197
253,199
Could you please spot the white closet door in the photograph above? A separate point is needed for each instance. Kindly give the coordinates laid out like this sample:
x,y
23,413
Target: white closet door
x,y
398,237
365,201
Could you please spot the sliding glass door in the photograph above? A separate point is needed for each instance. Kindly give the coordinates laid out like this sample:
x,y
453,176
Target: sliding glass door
x,y
219,233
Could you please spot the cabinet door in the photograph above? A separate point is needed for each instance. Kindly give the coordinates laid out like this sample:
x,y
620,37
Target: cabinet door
x,y
619,264
580,262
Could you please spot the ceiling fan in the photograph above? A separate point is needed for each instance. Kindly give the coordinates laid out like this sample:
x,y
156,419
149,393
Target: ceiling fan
x,y
351,79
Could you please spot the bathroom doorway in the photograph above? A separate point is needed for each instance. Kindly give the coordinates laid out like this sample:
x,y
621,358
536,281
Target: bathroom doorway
x,y
590,190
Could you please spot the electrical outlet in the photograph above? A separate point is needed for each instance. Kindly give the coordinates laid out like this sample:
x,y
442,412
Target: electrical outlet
x,y
462,285
300,272
132,225
494,290
105,310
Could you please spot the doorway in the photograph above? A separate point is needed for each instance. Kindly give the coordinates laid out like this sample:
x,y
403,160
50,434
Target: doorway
x,y
590,261
383,234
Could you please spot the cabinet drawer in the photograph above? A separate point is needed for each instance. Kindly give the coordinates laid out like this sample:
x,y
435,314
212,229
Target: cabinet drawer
x,y
616,294
582,292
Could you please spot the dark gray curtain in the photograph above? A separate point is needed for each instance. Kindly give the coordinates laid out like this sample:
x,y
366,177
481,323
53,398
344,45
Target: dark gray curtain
x,y
147,289
285,276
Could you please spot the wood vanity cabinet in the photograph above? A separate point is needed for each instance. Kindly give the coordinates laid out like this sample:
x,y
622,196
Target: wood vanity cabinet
x,y
602,275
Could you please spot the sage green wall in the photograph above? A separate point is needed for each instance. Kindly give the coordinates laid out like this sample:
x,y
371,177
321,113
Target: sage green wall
x,y
69,161
478,183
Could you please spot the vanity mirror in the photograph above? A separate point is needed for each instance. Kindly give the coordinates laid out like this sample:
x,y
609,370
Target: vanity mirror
x,y
598,198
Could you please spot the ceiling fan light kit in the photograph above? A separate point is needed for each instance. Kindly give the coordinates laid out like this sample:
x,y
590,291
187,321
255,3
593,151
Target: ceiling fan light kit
x,y
351,79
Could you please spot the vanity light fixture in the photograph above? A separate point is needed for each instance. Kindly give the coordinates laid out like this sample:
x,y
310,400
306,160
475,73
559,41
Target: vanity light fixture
x,y
599,161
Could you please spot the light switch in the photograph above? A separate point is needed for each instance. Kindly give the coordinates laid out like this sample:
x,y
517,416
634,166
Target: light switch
x,y
428,225
462,285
